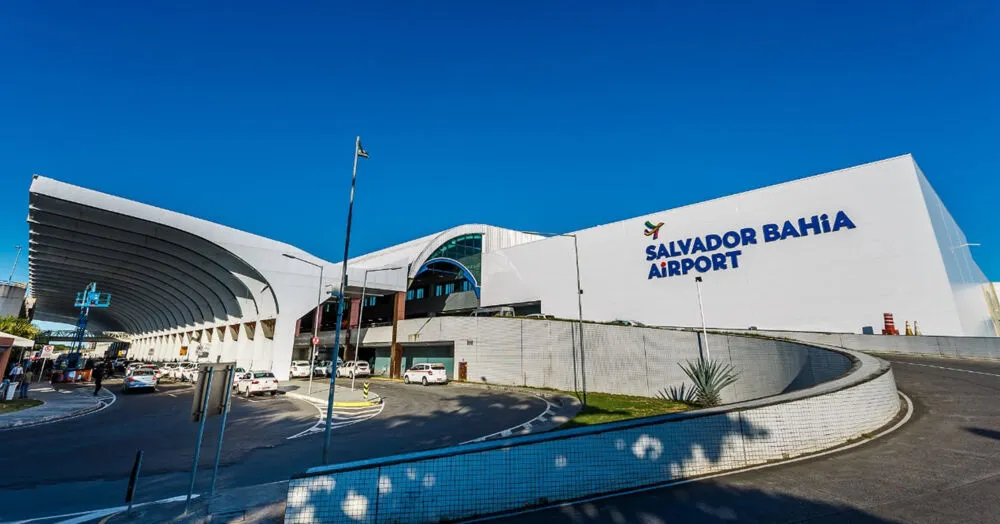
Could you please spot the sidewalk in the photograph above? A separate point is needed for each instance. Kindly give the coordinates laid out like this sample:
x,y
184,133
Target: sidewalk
x,y
343,397
61,401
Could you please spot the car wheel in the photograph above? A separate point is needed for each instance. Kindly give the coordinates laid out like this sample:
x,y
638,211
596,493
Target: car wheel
x,y
273,393
423,381
406,379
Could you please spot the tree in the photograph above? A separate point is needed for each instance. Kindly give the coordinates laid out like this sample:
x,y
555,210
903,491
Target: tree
x,y
19,327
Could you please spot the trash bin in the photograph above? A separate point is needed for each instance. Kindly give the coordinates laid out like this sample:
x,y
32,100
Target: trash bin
x,y
57,376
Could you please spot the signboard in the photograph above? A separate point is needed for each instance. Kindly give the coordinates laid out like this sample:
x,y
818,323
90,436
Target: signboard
x,y
47,352
221,387
315,341
184,350
151,351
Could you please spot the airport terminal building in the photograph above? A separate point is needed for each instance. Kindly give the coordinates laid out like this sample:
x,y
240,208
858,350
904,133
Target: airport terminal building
x,y
832,252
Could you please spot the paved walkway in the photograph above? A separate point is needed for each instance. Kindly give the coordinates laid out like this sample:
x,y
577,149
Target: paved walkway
x,y
61,401
343,396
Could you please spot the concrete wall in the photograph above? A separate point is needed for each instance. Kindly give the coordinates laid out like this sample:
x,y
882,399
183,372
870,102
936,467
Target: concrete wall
x,y
961,347
831,281
615,359
497,476
11,299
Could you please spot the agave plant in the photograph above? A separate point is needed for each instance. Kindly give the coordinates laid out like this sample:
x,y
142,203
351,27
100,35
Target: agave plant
x,y
709,378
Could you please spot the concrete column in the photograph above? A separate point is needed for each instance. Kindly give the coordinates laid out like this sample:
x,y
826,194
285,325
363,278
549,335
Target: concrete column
x,y
281,346
396,349
262,358
355,312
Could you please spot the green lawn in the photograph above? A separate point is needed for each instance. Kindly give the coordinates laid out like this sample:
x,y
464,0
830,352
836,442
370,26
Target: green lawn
x,y
605,407
18,404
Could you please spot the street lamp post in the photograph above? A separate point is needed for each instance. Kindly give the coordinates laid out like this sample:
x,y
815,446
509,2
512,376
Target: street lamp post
x,y
314,343
704,329
579,305
361,313
358,152
14,267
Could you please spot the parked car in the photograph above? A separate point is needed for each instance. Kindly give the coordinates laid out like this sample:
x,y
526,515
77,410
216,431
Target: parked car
x,y
340,364
139,379
255,382
540,316
426,374
187,371
299,369
238,374
321,369
631,323
354,368
158,371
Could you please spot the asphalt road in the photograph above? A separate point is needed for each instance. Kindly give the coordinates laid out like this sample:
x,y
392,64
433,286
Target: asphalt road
x,y
84,463
943,466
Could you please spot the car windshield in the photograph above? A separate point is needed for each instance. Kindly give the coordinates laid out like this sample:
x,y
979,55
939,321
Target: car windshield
x,y
263,374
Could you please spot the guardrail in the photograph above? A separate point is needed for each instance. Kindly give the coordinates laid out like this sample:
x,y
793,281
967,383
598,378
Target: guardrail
x,y
505,475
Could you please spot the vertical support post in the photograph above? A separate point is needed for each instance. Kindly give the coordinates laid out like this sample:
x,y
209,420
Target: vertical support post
x,y
361,313
333,382
201,434
314,343
579,306
704,329
396,349
230,370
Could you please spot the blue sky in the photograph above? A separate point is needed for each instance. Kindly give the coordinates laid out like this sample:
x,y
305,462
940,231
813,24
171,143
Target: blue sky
x,y
541,116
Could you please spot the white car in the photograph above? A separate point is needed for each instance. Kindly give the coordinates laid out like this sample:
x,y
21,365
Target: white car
x,y
299,368
354,368
255,382
426,374
238,374
140,378
187,371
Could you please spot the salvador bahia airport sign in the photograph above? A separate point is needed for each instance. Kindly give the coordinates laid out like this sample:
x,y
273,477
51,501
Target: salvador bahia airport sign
x,y
679,257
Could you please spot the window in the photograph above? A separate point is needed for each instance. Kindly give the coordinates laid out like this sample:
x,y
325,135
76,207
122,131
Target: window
x,y
465,285
409,295
370,301
438,290
420,293
449,288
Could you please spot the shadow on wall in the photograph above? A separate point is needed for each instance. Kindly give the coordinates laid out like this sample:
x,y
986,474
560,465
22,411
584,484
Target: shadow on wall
x,y
472,481
703,502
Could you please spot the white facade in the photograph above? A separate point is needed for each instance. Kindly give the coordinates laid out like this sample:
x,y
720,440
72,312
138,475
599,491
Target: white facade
x,y
895,249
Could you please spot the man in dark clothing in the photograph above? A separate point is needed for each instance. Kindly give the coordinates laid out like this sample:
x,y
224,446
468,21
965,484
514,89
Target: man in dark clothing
x,y
98,377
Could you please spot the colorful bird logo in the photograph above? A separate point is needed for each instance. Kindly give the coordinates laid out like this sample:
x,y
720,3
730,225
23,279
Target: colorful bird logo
x,y
652,230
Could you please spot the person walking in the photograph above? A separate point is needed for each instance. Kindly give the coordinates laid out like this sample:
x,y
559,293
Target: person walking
x,y
16,373
25,382
98,377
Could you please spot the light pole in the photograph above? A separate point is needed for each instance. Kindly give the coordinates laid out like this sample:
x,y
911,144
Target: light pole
x,y
358,152
361,313
701,308
314,343
579,305
14,267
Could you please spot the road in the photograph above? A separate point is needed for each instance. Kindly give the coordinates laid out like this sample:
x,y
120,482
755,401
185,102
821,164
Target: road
x,y
83,464
943,466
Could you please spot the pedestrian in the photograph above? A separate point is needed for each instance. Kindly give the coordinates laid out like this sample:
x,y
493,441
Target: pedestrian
x,y
16,372
25,382
98,377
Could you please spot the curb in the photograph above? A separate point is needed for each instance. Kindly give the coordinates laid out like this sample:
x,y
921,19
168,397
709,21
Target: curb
x,y
56,418
553,396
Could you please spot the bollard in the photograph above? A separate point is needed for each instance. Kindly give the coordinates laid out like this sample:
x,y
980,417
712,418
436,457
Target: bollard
x,y
133,480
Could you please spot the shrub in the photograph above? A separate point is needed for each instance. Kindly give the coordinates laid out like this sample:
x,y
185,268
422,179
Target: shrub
x,y
709,378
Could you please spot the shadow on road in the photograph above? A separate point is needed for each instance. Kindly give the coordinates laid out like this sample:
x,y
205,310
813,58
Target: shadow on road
x,y
983,432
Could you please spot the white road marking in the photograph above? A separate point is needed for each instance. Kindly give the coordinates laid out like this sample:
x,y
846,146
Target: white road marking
x,y
84,516
904,420
949,369
346,416
171,395
524,426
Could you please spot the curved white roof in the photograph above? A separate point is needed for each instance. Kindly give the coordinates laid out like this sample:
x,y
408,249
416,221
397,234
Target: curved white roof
x,y
165,270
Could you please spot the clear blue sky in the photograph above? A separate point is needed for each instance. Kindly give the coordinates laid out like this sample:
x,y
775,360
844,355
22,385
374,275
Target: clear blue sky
x,y
544,116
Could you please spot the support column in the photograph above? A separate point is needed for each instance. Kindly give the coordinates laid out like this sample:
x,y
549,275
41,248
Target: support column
x,y
351,334
396,349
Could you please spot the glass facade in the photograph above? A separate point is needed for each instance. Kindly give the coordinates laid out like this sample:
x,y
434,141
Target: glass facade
x,y
466,249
